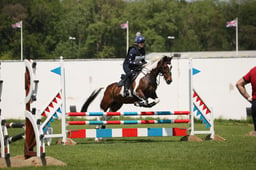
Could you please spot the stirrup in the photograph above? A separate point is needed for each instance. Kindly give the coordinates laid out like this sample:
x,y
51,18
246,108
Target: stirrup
x,y
123,76
126,92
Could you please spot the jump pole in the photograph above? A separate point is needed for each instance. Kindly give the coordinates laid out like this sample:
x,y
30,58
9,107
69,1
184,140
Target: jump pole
x,y
191,97
63,88
5,152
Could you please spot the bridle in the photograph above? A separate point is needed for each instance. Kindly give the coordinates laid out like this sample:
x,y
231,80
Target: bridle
x,y
165,69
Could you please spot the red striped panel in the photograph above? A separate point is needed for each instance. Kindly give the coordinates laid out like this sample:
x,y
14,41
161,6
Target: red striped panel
x,y
147,121
147,113
179,131
76,122
181,120
181,112
114,122
130,132
77,114
113,114
78,133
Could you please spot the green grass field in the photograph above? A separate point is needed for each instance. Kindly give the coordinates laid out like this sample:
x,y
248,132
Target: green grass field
x,y
237,152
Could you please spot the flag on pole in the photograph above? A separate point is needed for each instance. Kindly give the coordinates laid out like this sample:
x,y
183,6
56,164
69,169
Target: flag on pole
x,y
232,23
17,25
124,25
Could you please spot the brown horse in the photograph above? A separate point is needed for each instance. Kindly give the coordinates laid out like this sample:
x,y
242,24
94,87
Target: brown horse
x,y
142,89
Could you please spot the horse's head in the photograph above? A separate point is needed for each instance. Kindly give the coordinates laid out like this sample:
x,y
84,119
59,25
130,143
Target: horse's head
x,y
165,69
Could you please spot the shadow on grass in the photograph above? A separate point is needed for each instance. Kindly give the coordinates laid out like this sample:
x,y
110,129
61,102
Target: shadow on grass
x,y
126,140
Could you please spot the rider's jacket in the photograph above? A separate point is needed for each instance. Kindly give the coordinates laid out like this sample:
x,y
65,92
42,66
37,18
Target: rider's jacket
x,y
134,59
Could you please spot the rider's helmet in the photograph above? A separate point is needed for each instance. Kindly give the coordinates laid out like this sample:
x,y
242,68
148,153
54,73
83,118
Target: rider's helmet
x,y
139,39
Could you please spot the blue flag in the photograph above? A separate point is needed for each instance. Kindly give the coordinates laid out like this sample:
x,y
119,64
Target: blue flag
x,y
195,71
56,70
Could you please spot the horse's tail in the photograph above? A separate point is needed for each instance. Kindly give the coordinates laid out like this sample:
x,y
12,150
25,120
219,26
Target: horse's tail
x,y
93,95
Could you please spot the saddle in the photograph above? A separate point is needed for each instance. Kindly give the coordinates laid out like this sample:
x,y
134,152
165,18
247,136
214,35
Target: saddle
x,y
125,78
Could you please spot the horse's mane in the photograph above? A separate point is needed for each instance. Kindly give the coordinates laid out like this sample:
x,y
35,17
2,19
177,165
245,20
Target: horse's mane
x,y
155,59
152,62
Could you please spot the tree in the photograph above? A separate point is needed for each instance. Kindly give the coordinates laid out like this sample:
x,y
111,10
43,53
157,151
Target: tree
x,y
48,24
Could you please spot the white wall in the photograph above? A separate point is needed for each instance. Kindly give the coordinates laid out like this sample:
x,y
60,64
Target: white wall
x,y
215,84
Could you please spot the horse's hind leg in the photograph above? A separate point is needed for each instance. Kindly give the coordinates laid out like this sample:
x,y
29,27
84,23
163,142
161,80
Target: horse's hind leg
x,y
115,106
106,102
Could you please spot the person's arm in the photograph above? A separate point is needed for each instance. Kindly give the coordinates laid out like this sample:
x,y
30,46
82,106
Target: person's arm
x,y
133,63
241,88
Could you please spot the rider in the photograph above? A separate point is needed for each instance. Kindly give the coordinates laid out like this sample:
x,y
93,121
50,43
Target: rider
x,y
134,60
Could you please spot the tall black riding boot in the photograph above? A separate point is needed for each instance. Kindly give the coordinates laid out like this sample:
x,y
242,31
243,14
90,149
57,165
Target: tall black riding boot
x,y
126,86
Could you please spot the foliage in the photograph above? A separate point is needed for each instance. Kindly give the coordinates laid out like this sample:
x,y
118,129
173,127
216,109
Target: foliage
x,y
48,24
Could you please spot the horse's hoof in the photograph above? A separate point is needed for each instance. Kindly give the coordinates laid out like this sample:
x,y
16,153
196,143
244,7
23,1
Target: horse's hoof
x,y
98,139
138,104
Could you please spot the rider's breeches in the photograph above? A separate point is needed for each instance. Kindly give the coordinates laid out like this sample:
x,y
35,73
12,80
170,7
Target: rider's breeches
x,y
254,114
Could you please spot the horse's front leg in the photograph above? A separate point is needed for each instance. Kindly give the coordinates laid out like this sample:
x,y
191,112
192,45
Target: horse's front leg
x,y
144,101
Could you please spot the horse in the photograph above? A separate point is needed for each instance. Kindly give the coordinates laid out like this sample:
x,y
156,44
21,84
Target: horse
x,y
142,89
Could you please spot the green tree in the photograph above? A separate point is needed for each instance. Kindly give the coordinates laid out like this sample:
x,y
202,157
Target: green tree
x,y
48,24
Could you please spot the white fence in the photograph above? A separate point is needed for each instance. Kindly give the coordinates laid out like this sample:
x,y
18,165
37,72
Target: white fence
x,y
215,84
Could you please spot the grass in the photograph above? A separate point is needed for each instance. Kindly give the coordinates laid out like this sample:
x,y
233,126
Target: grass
x,y
237,152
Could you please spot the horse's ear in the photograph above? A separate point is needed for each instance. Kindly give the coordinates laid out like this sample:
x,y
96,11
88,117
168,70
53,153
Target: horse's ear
x,y
167,59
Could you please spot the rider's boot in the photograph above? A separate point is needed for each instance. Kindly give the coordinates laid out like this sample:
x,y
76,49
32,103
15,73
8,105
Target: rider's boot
x,y
126,87
126,92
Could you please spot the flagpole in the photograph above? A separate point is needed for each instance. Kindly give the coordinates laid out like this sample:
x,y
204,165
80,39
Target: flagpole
x,y
127,36
236,35
21,42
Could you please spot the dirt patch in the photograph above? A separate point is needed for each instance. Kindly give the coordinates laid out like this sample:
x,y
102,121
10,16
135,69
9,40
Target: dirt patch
x,y
20,161
191,138
215,138
195,138
68,142
252,133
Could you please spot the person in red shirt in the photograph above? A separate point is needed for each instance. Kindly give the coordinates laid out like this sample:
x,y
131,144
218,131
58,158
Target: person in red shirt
x,y
250,77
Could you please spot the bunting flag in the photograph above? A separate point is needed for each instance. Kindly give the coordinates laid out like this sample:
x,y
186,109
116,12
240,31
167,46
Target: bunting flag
x,y
59,110
201,116
51,105
57,70
45,129
48,124
51,111
44,114
52,119
58,96
56,101
201,102
55,115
